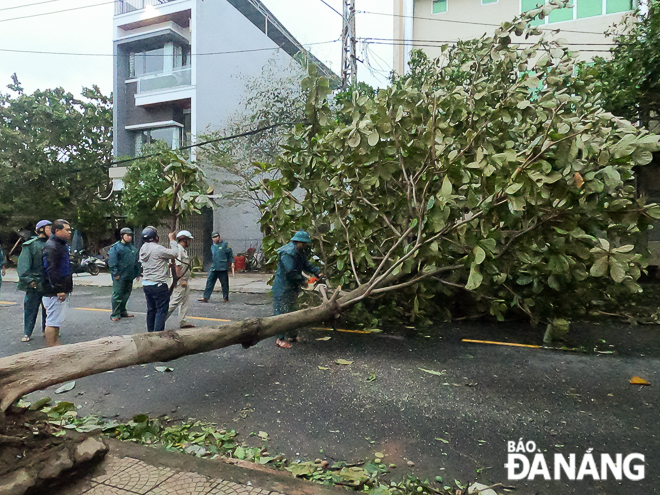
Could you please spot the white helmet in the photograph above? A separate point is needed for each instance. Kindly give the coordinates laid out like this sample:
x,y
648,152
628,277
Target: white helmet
x,y
184,233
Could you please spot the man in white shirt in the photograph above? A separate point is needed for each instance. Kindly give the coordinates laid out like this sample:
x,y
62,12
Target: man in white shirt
x,y
181,294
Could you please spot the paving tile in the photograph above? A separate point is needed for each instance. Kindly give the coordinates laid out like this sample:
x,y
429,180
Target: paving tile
x,y
112,465
101,489
184,484
226,488
138,477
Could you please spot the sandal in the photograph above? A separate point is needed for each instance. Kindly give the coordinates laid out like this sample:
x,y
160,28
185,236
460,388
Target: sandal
x,y
283,345
115,319
187,325
26,339
128,315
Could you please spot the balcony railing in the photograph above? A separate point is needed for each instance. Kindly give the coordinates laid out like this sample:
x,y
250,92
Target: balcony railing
x,y
126,6
158,82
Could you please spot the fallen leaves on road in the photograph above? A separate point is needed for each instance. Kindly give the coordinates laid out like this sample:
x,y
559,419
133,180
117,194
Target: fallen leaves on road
x,y
344,362
163,369
635,380
66,387
323,368
324,338
438,373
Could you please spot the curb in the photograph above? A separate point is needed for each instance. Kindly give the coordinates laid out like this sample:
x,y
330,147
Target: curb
x,y
243,472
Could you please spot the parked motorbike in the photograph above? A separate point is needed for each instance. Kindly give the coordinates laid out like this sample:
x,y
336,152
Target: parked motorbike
x,y
84,263
254,260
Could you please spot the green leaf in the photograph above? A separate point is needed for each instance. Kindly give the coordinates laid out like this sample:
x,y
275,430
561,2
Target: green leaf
x,y
66,387
343,362
479,255
446,188
475,279
599,268
432,372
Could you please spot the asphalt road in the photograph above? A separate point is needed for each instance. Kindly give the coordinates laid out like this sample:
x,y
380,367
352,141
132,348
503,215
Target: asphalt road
x,y
455,424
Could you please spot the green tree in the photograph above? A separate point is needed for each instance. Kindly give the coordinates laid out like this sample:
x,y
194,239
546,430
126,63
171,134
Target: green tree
x,y
630,79
163,188
55,150
490,176
274,98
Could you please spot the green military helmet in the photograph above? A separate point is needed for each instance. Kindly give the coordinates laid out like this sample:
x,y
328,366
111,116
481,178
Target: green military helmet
x,y
301,236
126,231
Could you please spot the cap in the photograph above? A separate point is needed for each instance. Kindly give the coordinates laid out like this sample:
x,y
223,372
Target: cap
x,y
215,233
301,236
184,234
126,230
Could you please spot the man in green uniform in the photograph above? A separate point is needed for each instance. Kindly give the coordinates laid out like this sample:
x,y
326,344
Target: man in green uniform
x,y
30,278
124,267
289,279
222,256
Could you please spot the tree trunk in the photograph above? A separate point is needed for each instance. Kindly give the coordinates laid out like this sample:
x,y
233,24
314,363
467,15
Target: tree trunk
x,y
29,371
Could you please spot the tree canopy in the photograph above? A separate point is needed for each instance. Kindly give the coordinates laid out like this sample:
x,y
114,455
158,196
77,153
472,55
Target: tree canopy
x,y
630,78
55,150
491,176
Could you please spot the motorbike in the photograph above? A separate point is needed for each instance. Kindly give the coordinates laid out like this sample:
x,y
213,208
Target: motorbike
x,y
254,260
84,263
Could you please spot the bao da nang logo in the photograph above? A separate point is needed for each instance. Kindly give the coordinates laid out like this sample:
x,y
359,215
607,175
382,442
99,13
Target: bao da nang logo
x,y
525,461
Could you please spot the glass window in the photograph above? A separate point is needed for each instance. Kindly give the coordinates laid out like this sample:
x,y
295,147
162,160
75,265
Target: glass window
x,y
439,6
485,2
614,6
147,62
169,135
559,15
589,8
181,56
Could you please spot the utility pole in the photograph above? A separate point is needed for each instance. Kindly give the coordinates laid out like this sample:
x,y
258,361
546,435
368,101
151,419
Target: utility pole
x,y
349,46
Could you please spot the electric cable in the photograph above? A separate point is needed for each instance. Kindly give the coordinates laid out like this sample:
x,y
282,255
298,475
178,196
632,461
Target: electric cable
x,y
56,11
332,8
28,5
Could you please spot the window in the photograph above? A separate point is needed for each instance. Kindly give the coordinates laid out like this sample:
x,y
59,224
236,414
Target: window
x,y
581,9
169,135
439,6
486,2
158,60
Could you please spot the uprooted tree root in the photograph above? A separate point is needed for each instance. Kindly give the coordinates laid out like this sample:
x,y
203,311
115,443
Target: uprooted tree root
x,y
33,460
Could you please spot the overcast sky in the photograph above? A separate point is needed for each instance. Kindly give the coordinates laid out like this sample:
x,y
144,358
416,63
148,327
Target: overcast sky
x,y
89,31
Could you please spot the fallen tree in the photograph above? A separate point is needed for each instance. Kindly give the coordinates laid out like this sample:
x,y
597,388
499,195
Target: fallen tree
x,y
494,172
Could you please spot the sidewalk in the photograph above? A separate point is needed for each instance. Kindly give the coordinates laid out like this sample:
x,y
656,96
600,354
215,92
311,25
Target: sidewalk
x,y
251,283
130,468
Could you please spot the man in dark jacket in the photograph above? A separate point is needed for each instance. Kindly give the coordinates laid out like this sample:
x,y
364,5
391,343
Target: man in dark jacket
x,y
58,280
124,267
31,276
222,256
289,279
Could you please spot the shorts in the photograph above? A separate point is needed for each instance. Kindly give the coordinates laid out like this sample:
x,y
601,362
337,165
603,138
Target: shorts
x,y
55,311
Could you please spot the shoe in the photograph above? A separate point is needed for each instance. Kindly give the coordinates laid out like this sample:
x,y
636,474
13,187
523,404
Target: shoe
x,y
283,345
203,300
128,315
26,339
115,319
188,325
225,300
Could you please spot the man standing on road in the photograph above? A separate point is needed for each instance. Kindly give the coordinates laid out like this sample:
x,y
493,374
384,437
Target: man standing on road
x,y
31,278
222,256
155,261
58,279
181,293
289,279
124,267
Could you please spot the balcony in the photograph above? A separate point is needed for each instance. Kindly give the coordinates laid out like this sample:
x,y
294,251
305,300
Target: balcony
x,y
126,6
164,81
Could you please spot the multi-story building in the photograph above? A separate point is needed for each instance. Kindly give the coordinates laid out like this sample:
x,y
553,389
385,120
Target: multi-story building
x,y
180,71
431,22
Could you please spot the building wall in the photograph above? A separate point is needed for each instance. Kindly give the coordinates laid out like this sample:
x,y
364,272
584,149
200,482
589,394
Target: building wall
x,y
433,28
220,82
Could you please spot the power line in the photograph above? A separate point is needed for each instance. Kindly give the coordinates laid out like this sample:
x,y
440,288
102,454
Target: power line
x,y
415,44
332,8
453,21
56,11
28,5
457,41
39,52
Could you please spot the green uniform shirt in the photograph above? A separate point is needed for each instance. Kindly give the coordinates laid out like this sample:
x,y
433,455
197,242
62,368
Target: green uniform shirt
x,y
222,256
31,265
123,261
